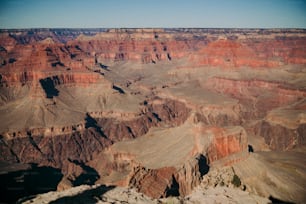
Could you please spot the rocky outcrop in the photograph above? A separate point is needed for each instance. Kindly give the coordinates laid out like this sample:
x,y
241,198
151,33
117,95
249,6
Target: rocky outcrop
x,y
257,95
45,145
218,118
154,183
229,52
151,46
259,52
227,142
158,172
109,194
278,175
168,112
280,137
34,78
169,181
50,151
152,109
86,141
284,128
189,175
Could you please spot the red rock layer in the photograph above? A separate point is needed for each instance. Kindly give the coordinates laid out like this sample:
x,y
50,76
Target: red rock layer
x,y
21,78
151,46
153,183
179,179
225,143
167,181
257,52
72,62
45,145
282,138
263,95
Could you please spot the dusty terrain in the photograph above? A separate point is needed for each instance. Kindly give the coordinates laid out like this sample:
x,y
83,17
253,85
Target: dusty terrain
x,y
155,112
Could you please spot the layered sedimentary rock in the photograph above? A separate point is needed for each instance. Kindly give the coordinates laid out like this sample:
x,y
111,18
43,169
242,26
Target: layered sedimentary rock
x,y
284,128
278,174
265,95
170,161
108,194
235,49
244,52
153,109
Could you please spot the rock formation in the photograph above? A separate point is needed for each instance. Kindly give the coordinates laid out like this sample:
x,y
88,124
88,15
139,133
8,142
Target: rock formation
x,y
153,109
108,194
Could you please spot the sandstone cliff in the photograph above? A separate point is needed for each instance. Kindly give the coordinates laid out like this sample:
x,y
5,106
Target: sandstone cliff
x,y
152,109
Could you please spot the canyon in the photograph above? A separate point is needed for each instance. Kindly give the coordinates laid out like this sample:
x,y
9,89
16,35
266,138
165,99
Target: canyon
x,y
153,113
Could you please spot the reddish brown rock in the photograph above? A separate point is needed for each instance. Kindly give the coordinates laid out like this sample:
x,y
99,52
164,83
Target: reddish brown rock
x,y
263,95
151,46
21,78
226,143
169,101
170,161
279,137
154,183
259,52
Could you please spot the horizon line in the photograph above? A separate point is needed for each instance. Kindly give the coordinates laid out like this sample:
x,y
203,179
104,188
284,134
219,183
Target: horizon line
x,y
71,28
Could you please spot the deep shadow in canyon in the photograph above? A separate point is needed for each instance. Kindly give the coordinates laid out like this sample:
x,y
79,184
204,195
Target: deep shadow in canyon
x,y
89,196
49,88
203,166
224,95
24,183
89,176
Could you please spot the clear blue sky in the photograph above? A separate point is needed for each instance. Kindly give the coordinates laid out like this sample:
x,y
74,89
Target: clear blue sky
x,y
153,13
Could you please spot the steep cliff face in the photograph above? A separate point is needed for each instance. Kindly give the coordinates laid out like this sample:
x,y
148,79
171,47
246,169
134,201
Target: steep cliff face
x,y
168,112
55,146
252,52
280,137
261,99
284,128
170,162
50,151
57,78
152,46
169,181
237,51
152,109
154,183
260,96
227,142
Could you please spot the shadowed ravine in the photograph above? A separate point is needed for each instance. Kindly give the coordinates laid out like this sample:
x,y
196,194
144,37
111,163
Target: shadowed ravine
x,y
153,113
19,184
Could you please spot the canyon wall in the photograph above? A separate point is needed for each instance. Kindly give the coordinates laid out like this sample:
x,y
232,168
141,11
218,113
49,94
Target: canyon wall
x,y
235,49
75,94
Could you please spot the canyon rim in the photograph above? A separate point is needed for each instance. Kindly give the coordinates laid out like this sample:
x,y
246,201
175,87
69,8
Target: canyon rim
x,y
153,115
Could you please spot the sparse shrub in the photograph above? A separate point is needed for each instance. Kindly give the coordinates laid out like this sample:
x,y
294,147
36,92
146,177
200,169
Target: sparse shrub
x,y
236,181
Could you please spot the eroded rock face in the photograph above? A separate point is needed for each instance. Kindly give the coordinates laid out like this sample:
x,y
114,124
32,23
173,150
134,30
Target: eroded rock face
x,y
227,142
152,109
280,137
175,164
262,96
284,128
269,49
169,181
154,183
92,137
246,52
